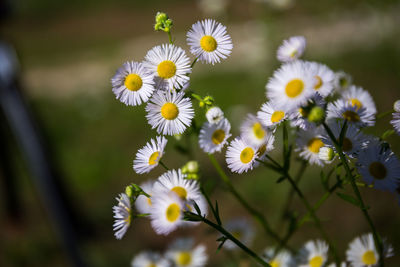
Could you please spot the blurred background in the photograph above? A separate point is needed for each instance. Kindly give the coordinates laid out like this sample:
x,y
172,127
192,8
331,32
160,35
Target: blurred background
x,y
70,49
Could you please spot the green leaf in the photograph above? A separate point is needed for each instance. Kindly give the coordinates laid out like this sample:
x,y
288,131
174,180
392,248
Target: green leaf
x,y
349,199
222,239
386,134
216,215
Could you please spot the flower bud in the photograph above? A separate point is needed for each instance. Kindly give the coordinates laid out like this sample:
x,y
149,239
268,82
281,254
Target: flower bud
x,y
214,114
317,115
326,154
396,106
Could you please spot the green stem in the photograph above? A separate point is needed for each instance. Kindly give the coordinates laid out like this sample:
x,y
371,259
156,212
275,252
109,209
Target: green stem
x,y
363,208
257,215
309,209
165,166
229,236
194,62
170,37
289,199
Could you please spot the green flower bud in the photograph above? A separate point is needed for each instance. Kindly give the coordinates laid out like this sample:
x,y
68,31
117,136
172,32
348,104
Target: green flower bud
x,y
158,27
317,115
193,166
208,100
161,17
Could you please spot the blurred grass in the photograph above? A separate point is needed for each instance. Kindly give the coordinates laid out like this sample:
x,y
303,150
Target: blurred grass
x,y
95,137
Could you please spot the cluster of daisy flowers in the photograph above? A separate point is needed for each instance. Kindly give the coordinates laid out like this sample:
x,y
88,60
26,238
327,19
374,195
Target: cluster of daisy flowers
x,y
324,109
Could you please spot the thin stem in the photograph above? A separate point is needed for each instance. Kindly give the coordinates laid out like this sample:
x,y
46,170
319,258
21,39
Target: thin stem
x,y
315,217
363,208
170,37
289,199
165,166
307,216
257,215
194,62
229,236
309,209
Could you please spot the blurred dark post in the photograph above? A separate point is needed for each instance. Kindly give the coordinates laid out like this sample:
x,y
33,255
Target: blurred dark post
x,y
21,122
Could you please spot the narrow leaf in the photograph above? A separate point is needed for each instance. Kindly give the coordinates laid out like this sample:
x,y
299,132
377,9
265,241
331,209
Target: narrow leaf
x,y
349,199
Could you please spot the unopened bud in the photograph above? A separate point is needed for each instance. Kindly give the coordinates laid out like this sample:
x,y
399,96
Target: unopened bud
x,y
316,115
396,106
326,154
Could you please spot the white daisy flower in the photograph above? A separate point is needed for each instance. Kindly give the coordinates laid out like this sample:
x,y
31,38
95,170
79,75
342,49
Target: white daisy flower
x,y
166,212
291,85
324,76
362,252
341,109
122,215
183,253
188,190
281,259
380,167
133,83
242,230
359,97
299,118
354,140
214,114
147,157
342,81
170,66
143,204
291,49
309,143
240,156
253,132
213,136
396,122
313,254
169,112
271,116
209,41
150,259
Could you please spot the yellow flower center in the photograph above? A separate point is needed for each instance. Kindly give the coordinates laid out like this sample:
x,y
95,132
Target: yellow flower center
x,y
246,155
169,111
294,88
316,261
184,258
208,43
355,102
315,144
154,158
166,69
277,116
180,191
151,265
319,83
351,116
218,136
368,258
149,201
258,130
133,82
347,144
293,53
377,170
275,263
173,212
